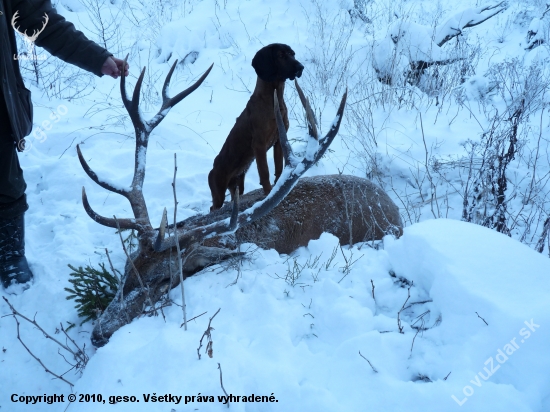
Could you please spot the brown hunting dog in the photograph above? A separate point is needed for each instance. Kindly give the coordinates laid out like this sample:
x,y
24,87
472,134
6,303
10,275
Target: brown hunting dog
x,y
255,130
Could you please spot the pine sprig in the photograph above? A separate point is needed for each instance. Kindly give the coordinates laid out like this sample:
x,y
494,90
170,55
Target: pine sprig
x,y
92,290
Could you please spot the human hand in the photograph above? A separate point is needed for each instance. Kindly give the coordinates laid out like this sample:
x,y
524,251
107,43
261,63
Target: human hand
x,y
113,67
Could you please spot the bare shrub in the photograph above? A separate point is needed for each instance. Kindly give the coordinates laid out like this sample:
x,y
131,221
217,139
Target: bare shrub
x,y
496,194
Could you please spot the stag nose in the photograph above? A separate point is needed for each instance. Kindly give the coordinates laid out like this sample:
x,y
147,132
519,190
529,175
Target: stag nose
x,y
299,69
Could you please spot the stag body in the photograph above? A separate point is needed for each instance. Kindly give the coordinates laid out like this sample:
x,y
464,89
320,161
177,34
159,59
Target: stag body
x,y
255,130
351,208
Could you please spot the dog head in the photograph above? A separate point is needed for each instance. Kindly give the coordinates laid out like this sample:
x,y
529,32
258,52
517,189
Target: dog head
x,y
276,62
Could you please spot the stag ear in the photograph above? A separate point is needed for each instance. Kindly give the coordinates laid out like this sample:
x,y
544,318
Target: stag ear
x,y
265,65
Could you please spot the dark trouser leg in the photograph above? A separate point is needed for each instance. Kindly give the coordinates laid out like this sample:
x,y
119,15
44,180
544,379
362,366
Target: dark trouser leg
x,y
13,264
12,184
13,204
13,201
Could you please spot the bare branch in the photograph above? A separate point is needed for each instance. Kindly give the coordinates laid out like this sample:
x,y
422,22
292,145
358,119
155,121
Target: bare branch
x,y
208,337
544,234
78,354
221,383
195,317
484,321
399,326
46,334
373,368
446,32
178,251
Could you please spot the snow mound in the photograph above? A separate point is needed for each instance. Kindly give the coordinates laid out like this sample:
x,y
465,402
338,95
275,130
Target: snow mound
x,y
302,343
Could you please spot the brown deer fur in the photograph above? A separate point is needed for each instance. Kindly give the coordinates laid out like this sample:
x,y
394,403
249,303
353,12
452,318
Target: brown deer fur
x,y
351,208
255,130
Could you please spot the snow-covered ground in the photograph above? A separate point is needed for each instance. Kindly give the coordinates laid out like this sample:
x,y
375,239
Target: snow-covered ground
x,y
481,296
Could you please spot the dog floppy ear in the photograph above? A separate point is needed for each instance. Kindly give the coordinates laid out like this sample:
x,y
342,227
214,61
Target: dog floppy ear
x,y
265,65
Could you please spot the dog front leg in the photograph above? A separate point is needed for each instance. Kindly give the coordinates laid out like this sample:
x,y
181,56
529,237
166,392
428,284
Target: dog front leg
x,y
217,189
263,169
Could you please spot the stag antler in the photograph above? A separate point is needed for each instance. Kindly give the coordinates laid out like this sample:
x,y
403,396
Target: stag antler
x,y
35,33
143,129
291,173
155,267
294,168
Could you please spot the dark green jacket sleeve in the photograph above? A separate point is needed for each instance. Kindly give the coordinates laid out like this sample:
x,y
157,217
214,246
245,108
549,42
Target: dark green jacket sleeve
x,y
59,37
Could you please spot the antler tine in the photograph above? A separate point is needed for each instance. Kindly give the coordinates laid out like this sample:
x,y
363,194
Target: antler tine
x,y
94,176
167,102
312,123
132,106
289,178
137,91
327,140
182,95
165,97
106,221
234,211
292,174
162,229
123,94
283,139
